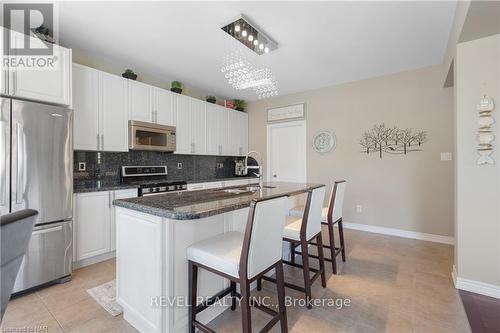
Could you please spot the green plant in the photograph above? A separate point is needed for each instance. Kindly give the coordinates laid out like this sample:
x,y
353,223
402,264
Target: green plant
x,y
239,104
176,84
129,71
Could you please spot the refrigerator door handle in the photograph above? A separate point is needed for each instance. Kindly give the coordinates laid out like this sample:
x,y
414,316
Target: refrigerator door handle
x,y
20,163
3,170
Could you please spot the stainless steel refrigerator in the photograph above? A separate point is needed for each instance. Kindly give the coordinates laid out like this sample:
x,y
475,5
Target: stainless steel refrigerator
x,y
36,151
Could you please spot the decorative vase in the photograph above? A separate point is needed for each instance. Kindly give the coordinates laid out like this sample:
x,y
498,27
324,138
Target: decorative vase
x,y
211,101
239,109
176,90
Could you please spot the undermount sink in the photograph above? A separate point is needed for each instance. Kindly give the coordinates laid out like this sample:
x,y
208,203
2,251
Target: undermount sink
x,y
235,190
256,188
245,189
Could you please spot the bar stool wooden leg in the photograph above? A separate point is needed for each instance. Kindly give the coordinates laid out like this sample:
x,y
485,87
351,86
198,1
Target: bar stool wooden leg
x,y
305,270
259,284
332,248
246,320
280,285
341,235
193,286
292,252
233,295
321,258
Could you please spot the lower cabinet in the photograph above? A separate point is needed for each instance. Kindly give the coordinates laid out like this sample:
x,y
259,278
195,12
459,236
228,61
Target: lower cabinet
x,y
94,225
226,183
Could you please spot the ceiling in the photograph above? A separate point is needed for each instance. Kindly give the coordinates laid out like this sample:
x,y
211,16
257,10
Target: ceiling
x,y
320,43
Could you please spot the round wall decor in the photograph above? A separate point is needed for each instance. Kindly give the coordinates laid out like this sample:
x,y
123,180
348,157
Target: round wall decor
x,y
324,142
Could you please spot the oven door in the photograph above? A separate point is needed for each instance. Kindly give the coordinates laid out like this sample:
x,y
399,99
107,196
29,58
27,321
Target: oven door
x,y
145,136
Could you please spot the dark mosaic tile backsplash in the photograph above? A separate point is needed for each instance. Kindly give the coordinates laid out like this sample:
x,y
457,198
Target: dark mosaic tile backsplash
x,y
108,165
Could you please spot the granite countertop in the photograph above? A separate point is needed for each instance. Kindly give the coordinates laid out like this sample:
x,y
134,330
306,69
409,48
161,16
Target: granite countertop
x,y
190,205
82,186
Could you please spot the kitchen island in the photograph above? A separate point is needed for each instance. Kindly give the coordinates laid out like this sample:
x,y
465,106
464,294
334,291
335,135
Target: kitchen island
x,y
152,235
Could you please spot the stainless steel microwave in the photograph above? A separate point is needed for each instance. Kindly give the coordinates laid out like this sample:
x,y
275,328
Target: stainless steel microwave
x,y
149,136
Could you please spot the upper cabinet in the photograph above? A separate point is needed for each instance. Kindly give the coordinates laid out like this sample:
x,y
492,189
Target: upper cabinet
x,y
141,101
86,108
163,106
238,132
217,129
49,84
104,103
100,110
189,120
113,112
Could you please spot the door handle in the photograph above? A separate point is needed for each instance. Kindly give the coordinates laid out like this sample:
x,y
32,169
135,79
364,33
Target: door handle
x,y
3,170
47,230
20,164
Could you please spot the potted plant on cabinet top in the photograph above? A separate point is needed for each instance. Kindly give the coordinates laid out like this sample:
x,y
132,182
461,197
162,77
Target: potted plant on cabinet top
x,y
129,74
211,99
176,87
239,104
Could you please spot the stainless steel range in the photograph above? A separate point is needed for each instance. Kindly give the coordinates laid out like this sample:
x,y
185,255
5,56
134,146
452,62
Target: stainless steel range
x,y
151,180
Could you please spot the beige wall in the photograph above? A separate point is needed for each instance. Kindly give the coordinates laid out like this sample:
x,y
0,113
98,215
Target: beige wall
x,y
412,192
478,187
86,59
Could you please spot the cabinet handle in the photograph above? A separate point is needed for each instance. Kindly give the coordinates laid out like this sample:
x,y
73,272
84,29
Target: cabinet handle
x,y
109,199
14,83
192,148
98,142
220,149
241,151
102,141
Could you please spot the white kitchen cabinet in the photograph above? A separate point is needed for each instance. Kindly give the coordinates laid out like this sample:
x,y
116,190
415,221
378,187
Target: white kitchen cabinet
x,y
92,225
182,121
140,97
217,130
86,108
100,110
113,112
94,237
198,127
238,133
163,106
189,119
51,84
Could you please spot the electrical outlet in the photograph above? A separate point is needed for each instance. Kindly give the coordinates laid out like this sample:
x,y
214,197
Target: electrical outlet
x,y
82,166
359,208
179,166
446,156
220,165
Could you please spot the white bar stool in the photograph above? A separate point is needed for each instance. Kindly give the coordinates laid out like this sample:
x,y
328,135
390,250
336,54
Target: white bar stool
x,y
330,216
242,258
302,231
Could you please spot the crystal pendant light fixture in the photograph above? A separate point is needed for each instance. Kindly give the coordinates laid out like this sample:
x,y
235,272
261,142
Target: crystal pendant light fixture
x,y
241,75
249,35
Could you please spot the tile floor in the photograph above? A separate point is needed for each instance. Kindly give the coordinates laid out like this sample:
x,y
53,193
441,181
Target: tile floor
x,y
393,284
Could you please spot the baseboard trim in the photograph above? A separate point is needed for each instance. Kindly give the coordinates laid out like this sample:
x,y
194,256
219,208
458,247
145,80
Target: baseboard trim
x,y
477,287
400,233
93,260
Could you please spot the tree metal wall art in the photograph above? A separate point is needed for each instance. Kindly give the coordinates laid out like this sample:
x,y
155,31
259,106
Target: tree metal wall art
x,y
392,140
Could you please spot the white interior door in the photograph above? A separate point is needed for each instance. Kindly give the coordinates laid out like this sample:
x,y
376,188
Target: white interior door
x,y
286,152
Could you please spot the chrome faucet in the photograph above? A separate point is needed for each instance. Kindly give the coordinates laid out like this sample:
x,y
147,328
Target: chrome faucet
x,y
259,167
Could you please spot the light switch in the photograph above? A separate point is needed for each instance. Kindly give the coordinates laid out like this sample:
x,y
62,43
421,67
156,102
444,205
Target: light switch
x,y
446,156
179,166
